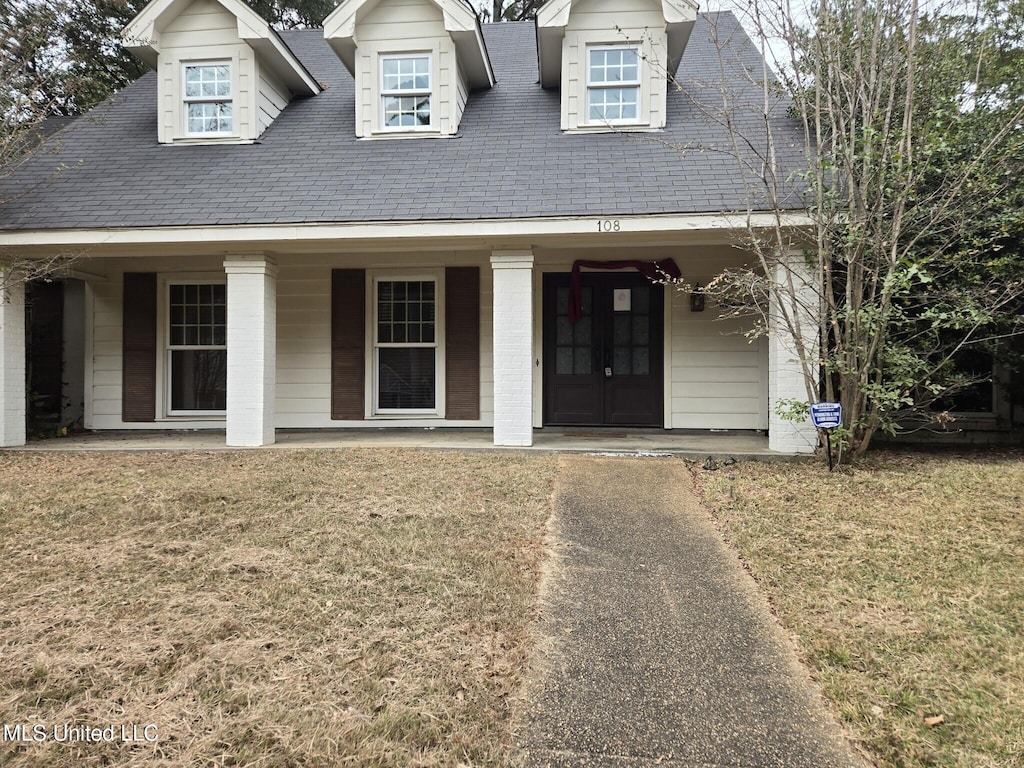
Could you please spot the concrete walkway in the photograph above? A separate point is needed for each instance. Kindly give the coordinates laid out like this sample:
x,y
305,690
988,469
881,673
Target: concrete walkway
x,y
661,650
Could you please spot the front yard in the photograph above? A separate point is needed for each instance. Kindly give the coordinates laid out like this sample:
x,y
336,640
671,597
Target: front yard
x,y
903,584
360,607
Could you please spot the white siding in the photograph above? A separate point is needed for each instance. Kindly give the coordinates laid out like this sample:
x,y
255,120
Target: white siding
x,y
205,31
406,26
715,377
610,21
303,336
718,376
273,97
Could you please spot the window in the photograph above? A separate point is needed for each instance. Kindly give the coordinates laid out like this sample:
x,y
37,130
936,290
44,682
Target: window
x,y
405,91
208,101
613,84
197,354
405,347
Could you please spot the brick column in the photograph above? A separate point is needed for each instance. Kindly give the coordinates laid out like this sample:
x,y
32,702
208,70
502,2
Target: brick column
x,y
796,299
252,350
513,347
12,360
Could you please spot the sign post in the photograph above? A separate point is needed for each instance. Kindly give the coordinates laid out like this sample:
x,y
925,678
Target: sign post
x,y
827,416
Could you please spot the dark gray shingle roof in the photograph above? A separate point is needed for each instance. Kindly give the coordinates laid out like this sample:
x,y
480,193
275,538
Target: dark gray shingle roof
x,y
509,160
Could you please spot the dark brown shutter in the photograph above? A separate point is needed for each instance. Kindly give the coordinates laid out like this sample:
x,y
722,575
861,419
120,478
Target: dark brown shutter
x,y
348,337
138,353
462,342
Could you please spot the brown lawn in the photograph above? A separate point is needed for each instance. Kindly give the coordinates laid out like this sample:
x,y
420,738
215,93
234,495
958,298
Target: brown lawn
x,y
273,608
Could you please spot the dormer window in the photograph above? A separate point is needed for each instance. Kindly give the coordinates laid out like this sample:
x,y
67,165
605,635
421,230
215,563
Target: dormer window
x,y
208,99
405,90
613,84
415,63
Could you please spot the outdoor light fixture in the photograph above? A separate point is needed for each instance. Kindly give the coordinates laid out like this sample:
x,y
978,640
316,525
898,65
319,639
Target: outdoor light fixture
x,y
697,299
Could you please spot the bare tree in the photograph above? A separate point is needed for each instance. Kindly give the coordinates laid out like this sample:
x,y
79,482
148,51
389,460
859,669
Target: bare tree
x,y
31,107
876,246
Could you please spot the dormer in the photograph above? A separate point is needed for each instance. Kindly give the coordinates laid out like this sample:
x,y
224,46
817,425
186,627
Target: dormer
x,y
414,62
223,74
612,59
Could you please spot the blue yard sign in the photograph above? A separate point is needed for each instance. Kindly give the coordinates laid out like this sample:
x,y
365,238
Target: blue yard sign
x,y
826,415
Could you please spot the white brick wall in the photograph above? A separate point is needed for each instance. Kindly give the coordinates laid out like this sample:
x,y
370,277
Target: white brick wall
x,y
252,350
513,347
785,375
12,362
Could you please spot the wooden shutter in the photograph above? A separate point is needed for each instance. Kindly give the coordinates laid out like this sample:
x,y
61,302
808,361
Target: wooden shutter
x,y
348,339
138,351
462,342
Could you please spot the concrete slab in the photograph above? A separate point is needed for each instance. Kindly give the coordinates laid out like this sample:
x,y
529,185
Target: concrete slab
x,y
696,445
660,649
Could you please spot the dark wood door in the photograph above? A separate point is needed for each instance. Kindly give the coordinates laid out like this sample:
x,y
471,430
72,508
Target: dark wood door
x,y
607,367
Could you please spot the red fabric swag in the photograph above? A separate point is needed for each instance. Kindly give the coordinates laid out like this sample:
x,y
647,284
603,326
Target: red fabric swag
x,y
652,270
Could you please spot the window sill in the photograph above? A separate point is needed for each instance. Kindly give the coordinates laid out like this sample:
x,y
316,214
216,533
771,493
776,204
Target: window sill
x,y
614,128
193,141
413,134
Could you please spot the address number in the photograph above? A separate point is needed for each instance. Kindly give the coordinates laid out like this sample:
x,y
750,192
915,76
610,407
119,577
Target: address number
x,y
608,225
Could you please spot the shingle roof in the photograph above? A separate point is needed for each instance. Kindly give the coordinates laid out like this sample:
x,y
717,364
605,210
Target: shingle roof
x,y
509,159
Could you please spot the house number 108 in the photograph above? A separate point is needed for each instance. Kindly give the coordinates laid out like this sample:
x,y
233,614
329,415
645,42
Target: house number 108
x,y
608,225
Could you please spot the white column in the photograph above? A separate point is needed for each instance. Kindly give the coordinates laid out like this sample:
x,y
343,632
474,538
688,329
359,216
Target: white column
x,y
252,350
797,299
12,360
513,347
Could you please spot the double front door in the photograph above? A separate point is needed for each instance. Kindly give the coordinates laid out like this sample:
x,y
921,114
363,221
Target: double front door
x,y
607,366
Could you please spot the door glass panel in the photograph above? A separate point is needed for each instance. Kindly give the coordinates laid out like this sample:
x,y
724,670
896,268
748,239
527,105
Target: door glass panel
x,y
563,333
621,362
573,355
563,361
622,334
642,300
583,363
641,329
641,361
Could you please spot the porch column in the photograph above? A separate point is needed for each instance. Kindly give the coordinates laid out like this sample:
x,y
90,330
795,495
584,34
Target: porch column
x,y
793,312
252,349
513,347
12,360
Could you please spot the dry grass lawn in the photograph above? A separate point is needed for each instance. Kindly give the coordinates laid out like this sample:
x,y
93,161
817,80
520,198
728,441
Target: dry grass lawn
x,y
903,583
285,608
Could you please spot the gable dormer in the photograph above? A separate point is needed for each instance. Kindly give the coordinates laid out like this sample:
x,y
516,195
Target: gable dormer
x,y
223,74
612,59
414,63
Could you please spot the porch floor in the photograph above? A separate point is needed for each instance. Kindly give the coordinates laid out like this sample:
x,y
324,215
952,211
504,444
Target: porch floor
x,y
695,445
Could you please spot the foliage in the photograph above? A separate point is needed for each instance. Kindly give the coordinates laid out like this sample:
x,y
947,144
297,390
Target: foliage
x,y
914,149
511,10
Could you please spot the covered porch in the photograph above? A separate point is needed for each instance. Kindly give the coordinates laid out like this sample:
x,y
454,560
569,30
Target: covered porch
x,y
720,446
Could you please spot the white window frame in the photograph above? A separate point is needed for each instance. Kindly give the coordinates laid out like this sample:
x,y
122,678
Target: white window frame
x,y
186,100
165,318
384,94
592,87
374,278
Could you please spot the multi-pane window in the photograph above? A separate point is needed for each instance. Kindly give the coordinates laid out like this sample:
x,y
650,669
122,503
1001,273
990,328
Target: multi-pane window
x,y
574,341
405,91
613,84
197,347
406,345
208,100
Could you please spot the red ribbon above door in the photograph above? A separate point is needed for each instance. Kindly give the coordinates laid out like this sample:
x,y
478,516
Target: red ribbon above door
x,y
652,270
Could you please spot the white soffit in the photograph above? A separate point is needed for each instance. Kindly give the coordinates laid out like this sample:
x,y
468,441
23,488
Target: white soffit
x,y
553,18
460,21
142,37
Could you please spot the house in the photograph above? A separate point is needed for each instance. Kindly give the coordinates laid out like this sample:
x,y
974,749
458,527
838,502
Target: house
x,y
406,219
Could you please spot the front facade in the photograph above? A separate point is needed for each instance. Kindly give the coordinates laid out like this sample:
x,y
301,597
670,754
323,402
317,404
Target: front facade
x,y
402,220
